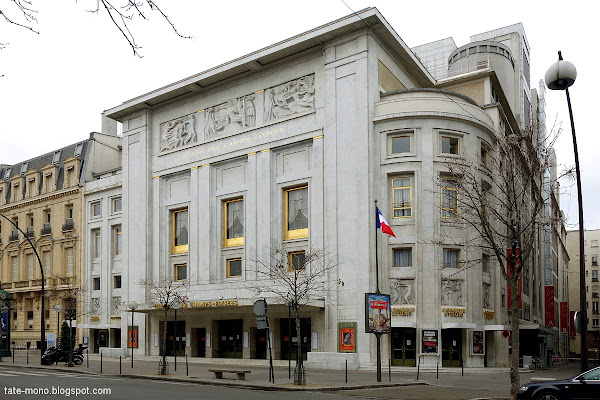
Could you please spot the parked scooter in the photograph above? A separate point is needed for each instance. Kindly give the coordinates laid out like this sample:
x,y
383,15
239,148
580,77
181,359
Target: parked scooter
x,y
53,355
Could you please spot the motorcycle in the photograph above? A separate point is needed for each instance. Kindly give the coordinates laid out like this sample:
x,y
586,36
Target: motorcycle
x,y
53,355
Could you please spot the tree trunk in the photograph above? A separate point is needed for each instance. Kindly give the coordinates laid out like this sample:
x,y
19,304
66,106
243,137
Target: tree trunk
x,y
514,357
163,368
299,364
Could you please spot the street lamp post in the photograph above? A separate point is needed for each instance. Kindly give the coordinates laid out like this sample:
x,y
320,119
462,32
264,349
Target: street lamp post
x,y
132,305
58,308
176,306
560,76
43,292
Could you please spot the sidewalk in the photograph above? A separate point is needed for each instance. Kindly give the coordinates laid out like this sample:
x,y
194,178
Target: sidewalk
x,y
491,380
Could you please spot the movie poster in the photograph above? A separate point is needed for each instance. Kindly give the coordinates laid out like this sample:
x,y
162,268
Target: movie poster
x,y
478,344
347,339
133,337
378,312
429,344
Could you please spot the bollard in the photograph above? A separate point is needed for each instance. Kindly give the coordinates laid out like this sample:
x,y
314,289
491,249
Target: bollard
x,y
27,354
187,367
462,366
120,365
100,362
418,369
437,370
87,352
346,371
13,354
390,369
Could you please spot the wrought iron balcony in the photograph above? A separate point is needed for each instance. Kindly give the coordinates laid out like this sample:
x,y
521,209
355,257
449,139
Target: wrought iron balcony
x,y
14,236
29,233
69,225
46,230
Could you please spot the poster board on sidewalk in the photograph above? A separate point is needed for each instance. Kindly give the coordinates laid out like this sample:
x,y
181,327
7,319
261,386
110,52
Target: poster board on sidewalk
x,y
347,337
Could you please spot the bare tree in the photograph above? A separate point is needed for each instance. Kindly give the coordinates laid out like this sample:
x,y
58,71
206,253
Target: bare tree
x,y
295,278
122,13
71,296
167,293
500,201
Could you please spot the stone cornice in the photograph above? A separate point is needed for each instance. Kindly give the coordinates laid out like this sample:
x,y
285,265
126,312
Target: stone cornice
x,y
39,199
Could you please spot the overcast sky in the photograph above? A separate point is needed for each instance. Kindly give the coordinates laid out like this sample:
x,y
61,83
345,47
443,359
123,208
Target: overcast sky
x,y
56,84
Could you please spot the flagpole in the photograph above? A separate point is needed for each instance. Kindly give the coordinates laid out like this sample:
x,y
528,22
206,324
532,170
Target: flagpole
x,y
377,334
376,252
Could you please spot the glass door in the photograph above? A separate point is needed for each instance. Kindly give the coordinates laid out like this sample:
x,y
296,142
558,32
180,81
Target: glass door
x,y
404,347
451,347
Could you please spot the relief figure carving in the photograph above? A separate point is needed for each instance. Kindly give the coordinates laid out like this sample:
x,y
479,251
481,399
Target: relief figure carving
x,y
452,293
402,291
178,133
486,296
290,98
229,116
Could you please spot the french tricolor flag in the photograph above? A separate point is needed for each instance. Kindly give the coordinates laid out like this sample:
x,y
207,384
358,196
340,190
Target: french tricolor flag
x,y
383,224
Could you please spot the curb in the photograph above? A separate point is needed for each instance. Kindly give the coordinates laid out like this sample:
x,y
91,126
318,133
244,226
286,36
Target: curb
x,y
221,382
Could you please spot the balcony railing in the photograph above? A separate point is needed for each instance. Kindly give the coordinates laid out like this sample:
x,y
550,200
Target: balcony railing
x,y
46,230
29,233
14,236
69,225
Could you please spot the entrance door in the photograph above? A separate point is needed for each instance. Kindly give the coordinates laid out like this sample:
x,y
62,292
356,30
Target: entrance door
x,y
404,346
451,347
261,344
201,340
230,338
175,338
101,339
304,338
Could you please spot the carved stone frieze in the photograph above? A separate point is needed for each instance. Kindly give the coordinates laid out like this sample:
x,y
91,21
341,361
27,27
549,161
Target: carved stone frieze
x,y
230,116
452,292
402,291
290,98
178,133
486,295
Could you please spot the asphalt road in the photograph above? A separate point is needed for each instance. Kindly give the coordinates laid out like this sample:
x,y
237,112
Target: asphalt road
x,y
38,384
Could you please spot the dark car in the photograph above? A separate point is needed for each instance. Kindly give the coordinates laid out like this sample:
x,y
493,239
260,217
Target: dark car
x,y
582,386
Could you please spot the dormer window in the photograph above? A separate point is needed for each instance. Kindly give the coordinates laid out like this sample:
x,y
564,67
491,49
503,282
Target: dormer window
x,y
78,149
56,157
24,167
7,173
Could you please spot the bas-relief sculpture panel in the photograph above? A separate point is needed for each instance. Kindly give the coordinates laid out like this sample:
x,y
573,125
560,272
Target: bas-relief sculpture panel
x,y
452,292
279,102
228,117
180,132
293,97
486,296
402,291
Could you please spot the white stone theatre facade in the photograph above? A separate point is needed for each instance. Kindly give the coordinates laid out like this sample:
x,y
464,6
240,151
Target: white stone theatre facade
x,y
290,146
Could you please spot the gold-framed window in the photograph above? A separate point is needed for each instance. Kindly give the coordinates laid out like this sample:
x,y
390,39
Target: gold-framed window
x,y
296,212
180,272
97,250
117,240
117,204
449,198
296,260
402,197
179,231
234,267
233,224
96,209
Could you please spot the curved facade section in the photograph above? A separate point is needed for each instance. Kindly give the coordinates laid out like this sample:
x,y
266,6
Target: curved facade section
x,y
485,54
434,297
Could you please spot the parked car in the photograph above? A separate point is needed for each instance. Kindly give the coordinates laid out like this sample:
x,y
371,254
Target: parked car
x,y
581,386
